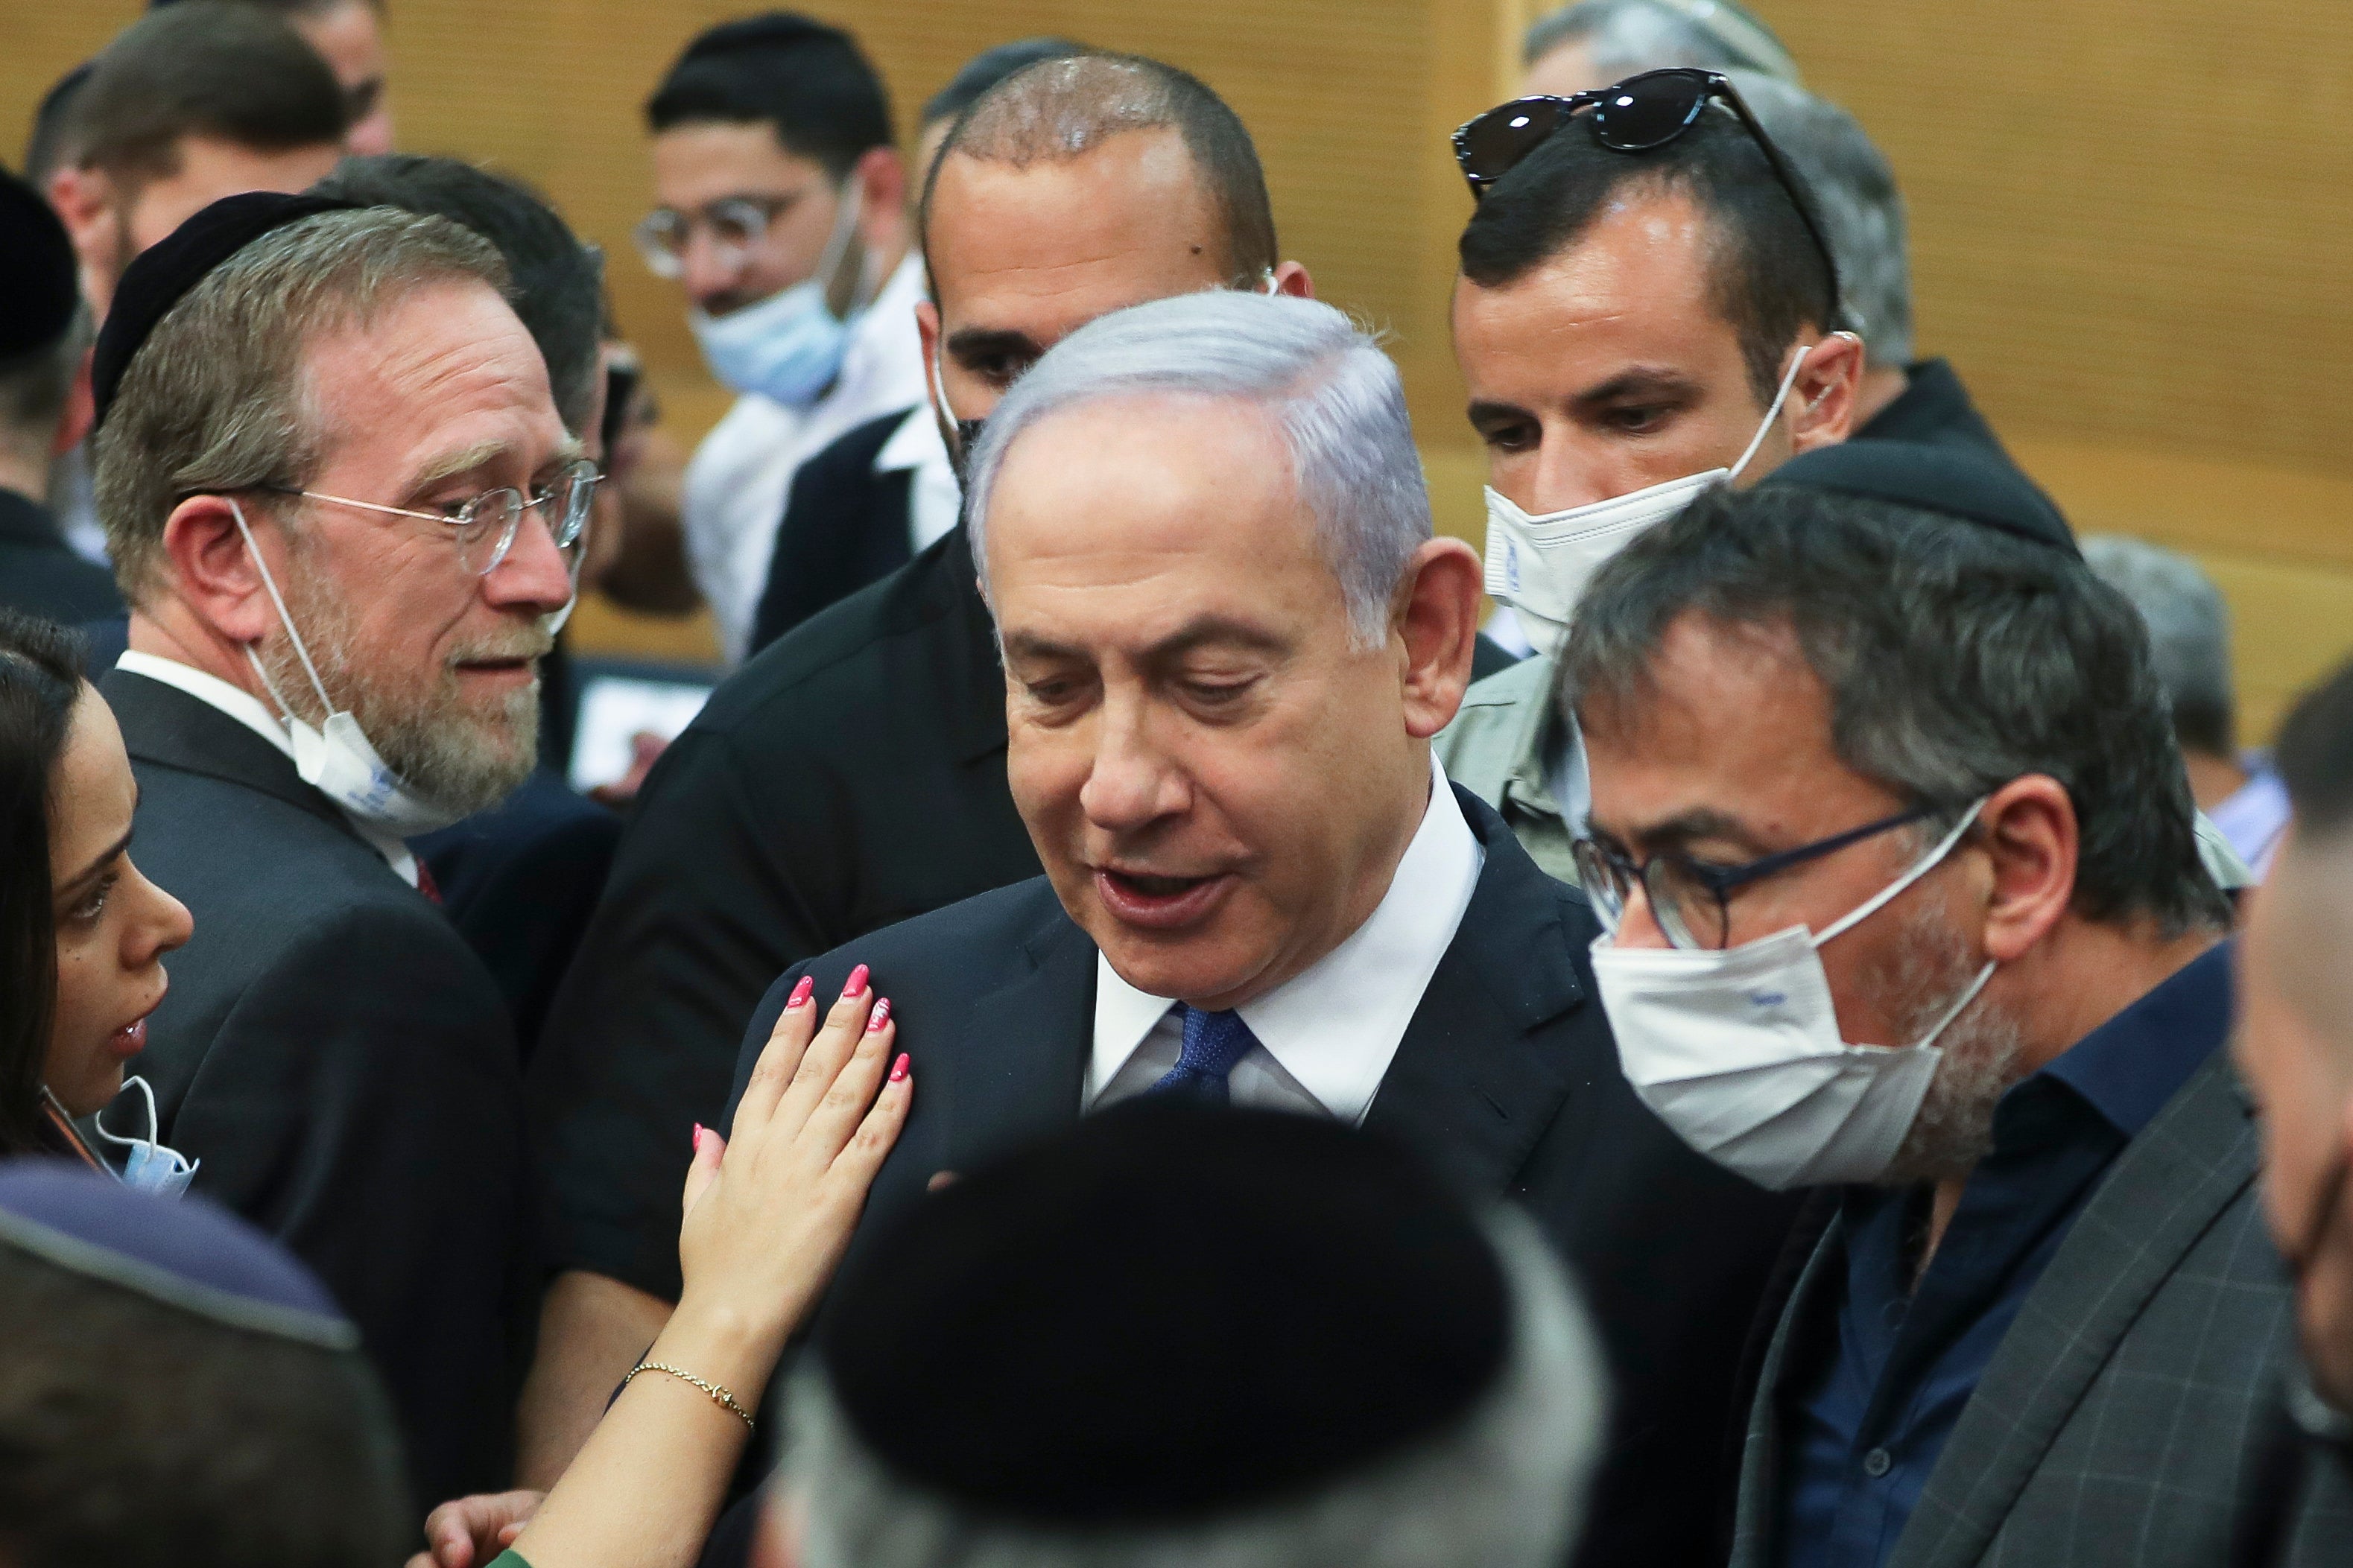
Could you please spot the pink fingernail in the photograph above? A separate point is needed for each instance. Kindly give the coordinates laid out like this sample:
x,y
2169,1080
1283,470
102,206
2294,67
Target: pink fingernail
x,y
856,985
899,1068
698,1137
800,996
881,1017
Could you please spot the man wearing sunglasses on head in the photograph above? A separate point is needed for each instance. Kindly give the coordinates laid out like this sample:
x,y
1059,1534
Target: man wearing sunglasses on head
x,y
347,516
782,216
1892,843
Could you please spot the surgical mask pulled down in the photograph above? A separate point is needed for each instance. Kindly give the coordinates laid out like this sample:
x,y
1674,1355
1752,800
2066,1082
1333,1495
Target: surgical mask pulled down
x,y
337,758
1738,1050
789,346
1540,565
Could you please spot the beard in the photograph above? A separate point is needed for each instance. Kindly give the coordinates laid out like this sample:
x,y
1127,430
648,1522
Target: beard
x,y
461,754
1981,1051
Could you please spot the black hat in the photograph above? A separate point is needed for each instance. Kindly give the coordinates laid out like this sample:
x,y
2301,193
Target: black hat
x,y
39,284
1168,1314
1959,481
162,274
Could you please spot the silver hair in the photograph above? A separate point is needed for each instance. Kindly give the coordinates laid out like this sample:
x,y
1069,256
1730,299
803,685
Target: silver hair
x,y
1861,205
1330,392
218,399
1504,1488
1630,36
2189,633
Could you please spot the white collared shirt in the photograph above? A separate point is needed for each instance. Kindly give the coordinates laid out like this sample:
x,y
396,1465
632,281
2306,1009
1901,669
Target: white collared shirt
x,y
1326,1036
933,496
739,478
248,710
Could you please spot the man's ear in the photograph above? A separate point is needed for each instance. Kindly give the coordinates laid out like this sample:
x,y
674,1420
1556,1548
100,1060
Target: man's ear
x,y
2029,831
80,411
84,202
1823,398
1435,625
882,176
211,572
1291,279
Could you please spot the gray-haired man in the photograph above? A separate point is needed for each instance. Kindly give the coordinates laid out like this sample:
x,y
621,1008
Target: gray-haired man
x,y
1228,637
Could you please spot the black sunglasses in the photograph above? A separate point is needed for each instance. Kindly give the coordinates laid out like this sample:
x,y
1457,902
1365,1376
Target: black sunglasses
x,y
1637,115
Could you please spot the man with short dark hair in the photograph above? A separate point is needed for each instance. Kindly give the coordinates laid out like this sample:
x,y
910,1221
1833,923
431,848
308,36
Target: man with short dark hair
x,y
853,773
189,104
349,36
1895,849
178,1392
782,216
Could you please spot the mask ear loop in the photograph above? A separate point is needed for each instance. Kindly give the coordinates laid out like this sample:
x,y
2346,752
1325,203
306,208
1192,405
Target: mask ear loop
x,y
1927,864
837,247
284,620
155,1127
1773,413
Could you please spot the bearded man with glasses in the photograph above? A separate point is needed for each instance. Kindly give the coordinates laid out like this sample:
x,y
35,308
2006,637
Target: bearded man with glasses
x,y
348,518
1893,845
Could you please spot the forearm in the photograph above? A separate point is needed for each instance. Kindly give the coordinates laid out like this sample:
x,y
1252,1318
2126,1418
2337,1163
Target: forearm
x,y
592,1329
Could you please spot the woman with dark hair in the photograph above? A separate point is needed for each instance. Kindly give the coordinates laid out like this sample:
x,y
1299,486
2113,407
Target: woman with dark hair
x,y
82,934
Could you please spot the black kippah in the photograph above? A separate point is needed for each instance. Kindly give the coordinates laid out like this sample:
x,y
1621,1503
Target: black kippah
x,y
39,286
1168,1314
162,274
1976,486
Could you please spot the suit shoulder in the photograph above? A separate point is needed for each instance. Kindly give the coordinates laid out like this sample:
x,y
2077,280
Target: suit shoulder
x,y
851,455
963,945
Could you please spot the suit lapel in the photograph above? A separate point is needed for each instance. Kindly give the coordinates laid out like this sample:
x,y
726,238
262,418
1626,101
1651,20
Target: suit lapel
x,y
164,724
1473,1086
2168,1188
1019,1072
1759,1508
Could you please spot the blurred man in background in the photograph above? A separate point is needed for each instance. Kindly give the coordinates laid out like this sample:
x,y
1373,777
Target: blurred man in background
x,y
782,214
853,774
189,104
349,36
2190,637
1596,42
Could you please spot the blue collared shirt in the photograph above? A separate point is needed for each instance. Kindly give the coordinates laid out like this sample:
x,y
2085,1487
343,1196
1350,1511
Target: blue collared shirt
x,y
1880,1382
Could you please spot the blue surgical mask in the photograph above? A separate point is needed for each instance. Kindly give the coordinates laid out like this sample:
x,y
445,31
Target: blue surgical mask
x,y
789,346
147,1165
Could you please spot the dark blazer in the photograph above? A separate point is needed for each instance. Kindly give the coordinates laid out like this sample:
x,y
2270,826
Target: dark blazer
x,y
39,572
339,1062
845,526
1934,409
2130,1415
848,776
1507,1081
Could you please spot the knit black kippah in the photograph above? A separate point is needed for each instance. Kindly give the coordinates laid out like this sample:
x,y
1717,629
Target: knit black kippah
x,y
165,272
1959,483
39,287
1168,1314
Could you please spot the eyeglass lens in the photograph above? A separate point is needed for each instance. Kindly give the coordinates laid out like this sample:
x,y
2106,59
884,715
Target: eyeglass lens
x,y
495,518
1686,909
1649,112
735,226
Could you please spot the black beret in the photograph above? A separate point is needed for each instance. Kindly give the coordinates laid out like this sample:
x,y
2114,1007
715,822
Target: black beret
x,y
38,282
162,274
1168,1314
1959,481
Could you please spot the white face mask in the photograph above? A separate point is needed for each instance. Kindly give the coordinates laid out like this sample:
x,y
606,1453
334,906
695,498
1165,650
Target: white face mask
x,y
1738,1051
789,346
339,761
147,1165
1540,566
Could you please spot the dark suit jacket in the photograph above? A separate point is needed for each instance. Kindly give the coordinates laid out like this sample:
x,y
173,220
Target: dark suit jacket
x,y
1507,1081
845,526
341,1064
848,776
2131,1416
41,575
1934,409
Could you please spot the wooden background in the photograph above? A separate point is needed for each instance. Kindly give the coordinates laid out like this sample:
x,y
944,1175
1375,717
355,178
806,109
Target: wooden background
x,y
2131,217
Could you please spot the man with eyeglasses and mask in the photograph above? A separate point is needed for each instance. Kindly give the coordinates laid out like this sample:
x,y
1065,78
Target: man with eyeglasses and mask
x,y
346,514
782,214
1893,845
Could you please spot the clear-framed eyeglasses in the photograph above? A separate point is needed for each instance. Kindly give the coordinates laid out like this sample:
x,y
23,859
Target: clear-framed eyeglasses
x,y
736,225
485,526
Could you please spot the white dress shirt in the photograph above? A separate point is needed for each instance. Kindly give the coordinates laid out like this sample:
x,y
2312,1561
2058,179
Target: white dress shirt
x,y
738,481
1326,1036
934,498
248,710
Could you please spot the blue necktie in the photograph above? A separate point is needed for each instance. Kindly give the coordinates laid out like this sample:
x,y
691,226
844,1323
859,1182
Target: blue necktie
x,y
1214,1042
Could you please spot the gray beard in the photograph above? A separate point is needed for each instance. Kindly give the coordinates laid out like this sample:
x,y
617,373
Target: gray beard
x,y
1954,1128
460,758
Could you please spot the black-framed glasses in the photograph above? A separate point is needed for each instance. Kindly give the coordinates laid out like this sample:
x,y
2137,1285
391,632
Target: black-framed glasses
x,y
1691,900
485,525
1637,115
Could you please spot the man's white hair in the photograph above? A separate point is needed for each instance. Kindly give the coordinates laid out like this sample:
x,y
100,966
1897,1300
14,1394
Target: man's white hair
x,y
1327,387
1505,1487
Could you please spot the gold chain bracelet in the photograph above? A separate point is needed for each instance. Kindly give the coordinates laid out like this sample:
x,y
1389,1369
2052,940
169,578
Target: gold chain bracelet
x,y
719,1397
